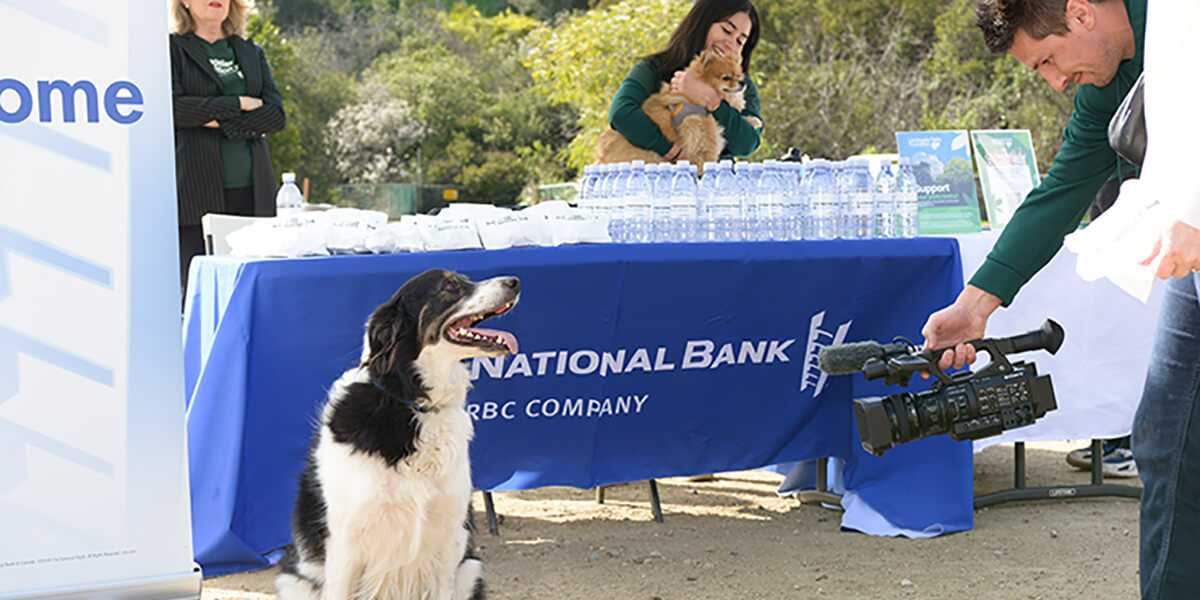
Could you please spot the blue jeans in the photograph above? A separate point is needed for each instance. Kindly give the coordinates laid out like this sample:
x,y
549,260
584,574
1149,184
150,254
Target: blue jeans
x,y
1166,446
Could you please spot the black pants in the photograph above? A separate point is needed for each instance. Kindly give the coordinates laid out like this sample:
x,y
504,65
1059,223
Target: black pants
x,y
238,201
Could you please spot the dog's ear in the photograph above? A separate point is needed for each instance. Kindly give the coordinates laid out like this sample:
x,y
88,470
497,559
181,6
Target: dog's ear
x,y
706,57
390,332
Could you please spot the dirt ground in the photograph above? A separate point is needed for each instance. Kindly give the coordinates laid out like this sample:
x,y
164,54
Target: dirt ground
x,y
733,538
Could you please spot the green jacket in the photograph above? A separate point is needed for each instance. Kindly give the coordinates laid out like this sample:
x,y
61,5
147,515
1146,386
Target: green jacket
x,y
1085,161
626,115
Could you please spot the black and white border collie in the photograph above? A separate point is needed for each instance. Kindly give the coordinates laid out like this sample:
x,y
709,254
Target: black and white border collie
x,y
383,510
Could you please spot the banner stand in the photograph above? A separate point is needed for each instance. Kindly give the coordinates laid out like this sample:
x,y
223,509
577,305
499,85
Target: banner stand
x,y
94,498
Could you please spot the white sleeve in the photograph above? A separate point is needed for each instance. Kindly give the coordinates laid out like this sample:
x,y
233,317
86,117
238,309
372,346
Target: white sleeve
x,y
1172,51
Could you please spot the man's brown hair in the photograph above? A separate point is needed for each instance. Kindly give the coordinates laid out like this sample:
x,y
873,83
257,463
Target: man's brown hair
x,y
999,20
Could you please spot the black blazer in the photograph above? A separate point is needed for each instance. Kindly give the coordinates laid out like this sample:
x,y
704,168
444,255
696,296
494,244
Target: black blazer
x,y
197,93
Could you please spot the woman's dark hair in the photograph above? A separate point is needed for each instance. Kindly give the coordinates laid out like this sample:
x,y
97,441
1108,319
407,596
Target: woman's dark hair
x,y
692,33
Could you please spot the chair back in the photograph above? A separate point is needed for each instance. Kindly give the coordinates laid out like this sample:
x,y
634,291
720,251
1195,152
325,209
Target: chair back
x,y
217,227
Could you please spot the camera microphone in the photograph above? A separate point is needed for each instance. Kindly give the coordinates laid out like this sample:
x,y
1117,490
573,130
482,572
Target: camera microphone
x,y
849,358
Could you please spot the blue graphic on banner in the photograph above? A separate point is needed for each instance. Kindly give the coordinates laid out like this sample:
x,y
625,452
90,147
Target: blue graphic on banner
x,y
636,362
14,343
64,16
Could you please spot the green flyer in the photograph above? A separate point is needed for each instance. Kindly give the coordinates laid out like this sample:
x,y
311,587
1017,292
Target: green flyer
x,y
1007,170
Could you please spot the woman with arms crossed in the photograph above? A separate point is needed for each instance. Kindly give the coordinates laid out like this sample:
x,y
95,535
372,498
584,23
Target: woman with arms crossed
x,y
225,101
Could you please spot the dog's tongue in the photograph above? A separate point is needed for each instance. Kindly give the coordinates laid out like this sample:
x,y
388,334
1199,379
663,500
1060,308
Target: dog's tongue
x,y
510,340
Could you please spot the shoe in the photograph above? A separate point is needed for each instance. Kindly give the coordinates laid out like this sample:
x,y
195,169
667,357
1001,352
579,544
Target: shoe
x,y
1118,462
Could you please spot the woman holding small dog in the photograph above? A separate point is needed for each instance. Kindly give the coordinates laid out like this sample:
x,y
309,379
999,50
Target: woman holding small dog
x,y
225,101
721,27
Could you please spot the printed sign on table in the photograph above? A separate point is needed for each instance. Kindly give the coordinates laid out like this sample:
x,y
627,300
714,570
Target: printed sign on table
x,y
941,163
1007,170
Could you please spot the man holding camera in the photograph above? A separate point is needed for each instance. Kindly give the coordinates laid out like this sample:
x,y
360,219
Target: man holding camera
x,y
1098,45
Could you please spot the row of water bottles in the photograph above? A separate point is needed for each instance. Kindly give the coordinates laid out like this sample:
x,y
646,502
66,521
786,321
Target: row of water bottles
x,y
771,200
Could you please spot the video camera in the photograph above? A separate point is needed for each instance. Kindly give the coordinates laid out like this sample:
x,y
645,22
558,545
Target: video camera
x,y
967,405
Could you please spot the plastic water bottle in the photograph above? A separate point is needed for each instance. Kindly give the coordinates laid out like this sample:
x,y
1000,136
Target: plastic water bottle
x,y
638,211
793,199
725,205
771,222
885,203
599,203
684,203
587,188
660,229
616,203
906,201
705,194
748,176
288,200
822,197
858,190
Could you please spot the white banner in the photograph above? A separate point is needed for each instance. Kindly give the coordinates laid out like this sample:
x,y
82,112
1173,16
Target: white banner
x,y
93,478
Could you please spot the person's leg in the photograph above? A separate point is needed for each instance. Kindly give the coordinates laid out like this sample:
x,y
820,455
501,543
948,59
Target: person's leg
x,y
239,201
1166,446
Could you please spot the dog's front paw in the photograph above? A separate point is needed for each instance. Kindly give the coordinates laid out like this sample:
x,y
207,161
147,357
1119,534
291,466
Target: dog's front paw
x,y
755,122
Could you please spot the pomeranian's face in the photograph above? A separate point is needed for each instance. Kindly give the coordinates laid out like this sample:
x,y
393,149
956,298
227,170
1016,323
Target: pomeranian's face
x,y
723,72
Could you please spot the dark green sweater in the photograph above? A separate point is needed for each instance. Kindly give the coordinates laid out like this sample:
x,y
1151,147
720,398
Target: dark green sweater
x,y
626,115
1085,161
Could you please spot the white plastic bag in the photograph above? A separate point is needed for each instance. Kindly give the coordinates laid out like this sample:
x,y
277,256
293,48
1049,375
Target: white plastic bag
x,y
447,233
1114,243
294,235
568,225
512,229
346,229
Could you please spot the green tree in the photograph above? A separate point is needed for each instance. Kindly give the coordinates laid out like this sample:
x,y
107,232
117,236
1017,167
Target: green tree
x,y
458,93
312,94
968,88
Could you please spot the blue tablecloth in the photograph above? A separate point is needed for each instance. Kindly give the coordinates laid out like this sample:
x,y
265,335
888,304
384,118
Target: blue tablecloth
x,y
638,361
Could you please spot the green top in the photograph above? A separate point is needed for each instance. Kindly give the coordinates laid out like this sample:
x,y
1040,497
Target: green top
x,y
1085,161
627,117
235,154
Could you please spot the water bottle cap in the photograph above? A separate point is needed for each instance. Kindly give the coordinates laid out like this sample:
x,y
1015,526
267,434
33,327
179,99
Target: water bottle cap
x,y
289,178
904,161
639,163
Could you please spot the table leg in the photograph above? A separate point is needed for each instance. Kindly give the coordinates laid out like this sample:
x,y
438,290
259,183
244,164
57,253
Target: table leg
x,y
493,526
654,503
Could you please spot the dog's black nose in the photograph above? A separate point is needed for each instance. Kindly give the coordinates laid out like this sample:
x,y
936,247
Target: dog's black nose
x,y
512,283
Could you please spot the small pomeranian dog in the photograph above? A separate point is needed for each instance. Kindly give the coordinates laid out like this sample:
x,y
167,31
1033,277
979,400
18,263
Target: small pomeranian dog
x,y
698,134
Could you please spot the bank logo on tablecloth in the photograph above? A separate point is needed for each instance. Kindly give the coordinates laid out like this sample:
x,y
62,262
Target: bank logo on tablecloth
x,y
689,355
819,338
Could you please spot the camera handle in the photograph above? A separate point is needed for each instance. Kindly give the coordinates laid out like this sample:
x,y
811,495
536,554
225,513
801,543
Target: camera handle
x,y
897,366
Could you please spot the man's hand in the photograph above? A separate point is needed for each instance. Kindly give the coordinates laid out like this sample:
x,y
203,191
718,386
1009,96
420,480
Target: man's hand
x,y
963,321
1177,251
686,84
249,102
212,124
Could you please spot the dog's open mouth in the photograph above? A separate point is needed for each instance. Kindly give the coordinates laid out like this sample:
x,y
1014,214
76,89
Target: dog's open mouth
x,y
463,331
